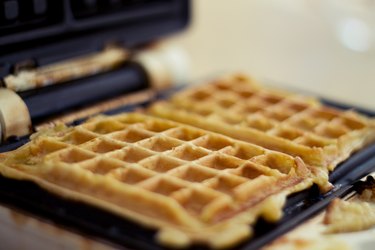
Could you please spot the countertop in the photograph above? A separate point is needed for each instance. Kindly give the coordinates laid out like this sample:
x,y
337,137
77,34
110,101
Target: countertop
x,y
294,43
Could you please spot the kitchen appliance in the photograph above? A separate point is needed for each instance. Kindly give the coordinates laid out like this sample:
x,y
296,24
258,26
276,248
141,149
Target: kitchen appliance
x,y
40,40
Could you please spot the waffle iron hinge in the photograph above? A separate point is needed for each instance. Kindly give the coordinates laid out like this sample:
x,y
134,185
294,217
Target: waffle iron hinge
x,y
162,66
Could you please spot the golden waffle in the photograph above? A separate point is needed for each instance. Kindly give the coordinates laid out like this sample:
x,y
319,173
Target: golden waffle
x,y
286,122
192,185
349,216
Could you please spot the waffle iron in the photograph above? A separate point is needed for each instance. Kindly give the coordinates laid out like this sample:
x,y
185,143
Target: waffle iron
x,y
38,33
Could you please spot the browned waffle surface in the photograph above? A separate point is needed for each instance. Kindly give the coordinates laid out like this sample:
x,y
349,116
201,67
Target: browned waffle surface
x,y
238,107
191,185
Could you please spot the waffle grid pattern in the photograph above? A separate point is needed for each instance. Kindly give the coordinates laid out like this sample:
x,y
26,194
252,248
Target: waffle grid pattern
x,y
192,185
295,121
182,175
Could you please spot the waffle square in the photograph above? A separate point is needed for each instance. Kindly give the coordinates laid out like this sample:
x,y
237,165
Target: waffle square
x,y
193,186
237,106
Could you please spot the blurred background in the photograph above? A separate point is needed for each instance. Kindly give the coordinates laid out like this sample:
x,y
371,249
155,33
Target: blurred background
x,y
326,47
